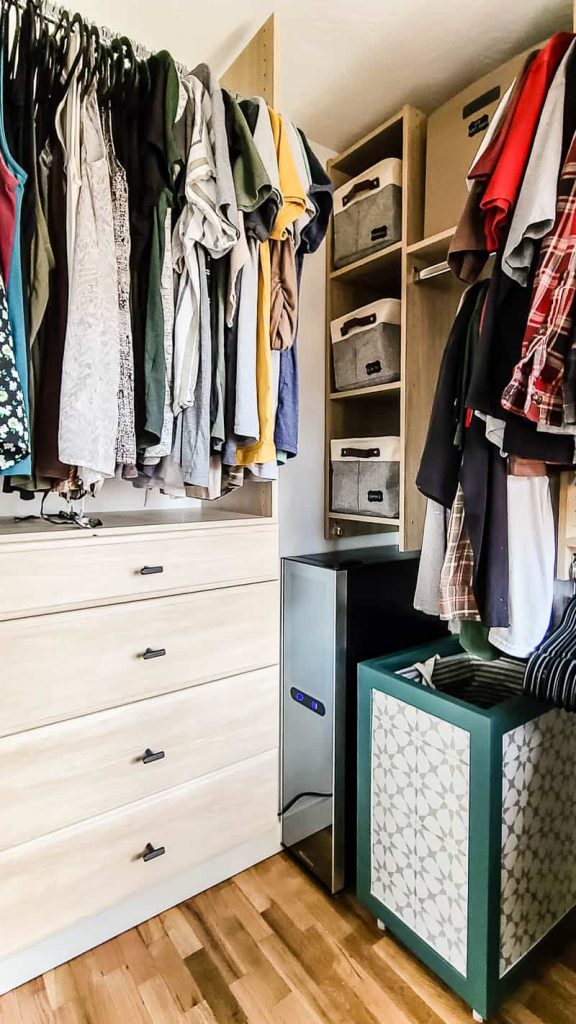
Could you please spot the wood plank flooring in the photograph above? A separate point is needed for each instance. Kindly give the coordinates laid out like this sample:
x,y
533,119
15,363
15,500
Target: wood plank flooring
x,y
269,947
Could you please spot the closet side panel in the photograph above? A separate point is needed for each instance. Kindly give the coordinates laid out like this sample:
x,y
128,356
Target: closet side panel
x,y
254,71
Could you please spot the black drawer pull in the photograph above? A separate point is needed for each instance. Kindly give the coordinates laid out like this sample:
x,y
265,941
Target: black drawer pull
x,y
377,234
150,652
152,854
150,756
151,570
372,368
375,496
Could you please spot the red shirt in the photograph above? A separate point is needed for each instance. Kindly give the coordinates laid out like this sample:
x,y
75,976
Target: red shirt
x,y
502,189
484,167
8,185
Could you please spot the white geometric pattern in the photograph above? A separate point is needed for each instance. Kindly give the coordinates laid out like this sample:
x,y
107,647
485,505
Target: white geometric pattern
x,y
420,823
538,831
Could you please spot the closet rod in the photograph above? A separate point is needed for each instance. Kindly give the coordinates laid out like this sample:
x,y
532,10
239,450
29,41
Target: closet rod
x,y
52,12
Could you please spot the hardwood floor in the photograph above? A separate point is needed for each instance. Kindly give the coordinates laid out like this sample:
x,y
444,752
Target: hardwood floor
x,y
269,947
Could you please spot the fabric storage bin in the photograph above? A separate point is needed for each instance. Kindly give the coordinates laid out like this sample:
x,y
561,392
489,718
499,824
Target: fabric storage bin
x,y
466,815
366,476
366,345
368,212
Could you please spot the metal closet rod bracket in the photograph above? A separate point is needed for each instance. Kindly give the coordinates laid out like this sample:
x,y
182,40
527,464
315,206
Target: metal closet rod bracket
x,y
437,269
425,273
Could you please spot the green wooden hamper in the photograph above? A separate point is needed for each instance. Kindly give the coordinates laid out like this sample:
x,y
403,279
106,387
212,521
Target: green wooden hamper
x,y
466,824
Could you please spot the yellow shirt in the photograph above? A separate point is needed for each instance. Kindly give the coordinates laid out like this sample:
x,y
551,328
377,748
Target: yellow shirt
x,y
294,205
263,450
290,185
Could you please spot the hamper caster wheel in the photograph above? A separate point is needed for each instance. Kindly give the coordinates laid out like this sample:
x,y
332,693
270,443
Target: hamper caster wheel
x,y
477,1016
381,926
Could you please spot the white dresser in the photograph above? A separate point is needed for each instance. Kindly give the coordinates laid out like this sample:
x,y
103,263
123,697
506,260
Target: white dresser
x,y
139,721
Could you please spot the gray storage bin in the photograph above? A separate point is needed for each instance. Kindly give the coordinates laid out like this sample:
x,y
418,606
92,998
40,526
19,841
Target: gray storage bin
x,y
366,345
368,212
366,476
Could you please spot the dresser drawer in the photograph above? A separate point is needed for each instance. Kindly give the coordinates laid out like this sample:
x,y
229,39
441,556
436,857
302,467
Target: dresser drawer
x,y
65,773
54,667
51,883
97,568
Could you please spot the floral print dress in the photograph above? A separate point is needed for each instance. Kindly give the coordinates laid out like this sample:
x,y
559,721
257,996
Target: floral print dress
x,y
14,433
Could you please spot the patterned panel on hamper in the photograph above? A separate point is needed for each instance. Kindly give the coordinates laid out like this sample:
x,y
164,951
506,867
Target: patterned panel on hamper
x,y
538,831
420,824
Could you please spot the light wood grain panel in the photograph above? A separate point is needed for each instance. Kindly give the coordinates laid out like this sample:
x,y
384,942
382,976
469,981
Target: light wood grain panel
x,y
65,773
50,883
428,311
566,529
413,157
45,575
416,360
55,667
154,522
254,72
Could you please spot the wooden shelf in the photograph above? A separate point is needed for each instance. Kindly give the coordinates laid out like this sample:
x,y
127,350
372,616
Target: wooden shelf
x,y
401,407
374,520
378,389
380,268
433,249
156,520
379,144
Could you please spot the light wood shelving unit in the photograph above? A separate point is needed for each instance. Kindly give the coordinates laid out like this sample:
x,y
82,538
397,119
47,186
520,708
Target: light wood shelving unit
x,y
428,307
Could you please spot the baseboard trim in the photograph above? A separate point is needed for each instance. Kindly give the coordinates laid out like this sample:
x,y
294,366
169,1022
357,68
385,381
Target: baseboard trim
x,y
73,941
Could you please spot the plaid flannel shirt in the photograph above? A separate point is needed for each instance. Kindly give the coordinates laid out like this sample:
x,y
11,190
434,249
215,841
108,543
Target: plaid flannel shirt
x,y
457,599
536,390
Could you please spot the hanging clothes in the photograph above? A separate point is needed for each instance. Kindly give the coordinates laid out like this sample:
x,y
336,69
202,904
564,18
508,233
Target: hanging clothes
x,y
439,469
551,672
126,435
88,425
502,189
532,554
153,230
311,238
535,210
14,289
293,207
536,389
161,156
468,250
14,438
457,600
52,334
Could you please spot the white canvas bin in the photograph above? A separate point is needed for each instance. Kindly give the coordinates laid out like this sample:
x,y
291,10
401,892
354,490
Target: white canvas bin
x,y
368,212
366,346
366,476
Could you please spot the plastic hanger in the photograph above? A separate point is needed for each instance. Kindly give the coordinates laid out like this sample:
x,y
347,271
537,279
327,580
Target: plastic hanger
x,y
92,59
13,55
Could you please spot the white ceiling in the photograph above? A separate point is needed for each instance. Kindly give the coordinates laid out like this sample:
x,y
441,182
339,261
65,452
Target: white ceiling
x,y
345,65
